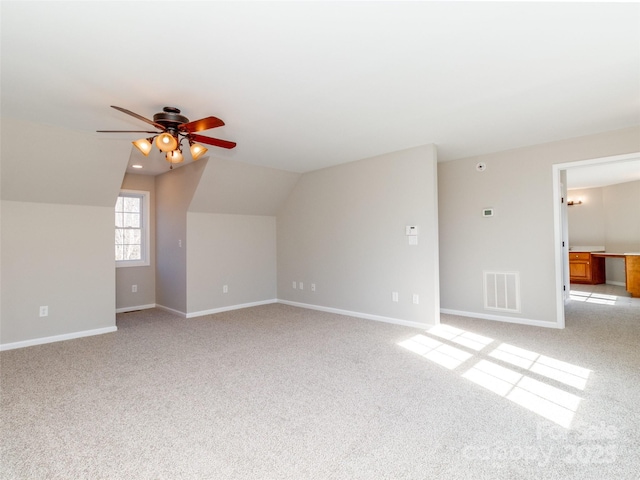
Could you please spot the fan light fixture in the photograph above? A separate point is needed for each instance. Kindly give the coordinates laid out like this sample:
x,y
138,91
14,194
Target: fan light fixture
x,y
166,142
175,156
144,145
197,150
175,128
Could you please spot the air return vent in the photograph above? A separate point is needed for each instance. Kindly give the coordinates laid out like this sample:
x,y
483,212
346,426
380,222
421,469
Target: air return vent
x,y
502,291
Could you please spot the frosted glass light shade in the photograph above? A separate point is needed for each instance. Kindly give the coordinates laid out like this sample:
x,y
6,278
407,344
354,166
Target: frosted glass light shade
x,y
166,142
197,150
175,156
143,145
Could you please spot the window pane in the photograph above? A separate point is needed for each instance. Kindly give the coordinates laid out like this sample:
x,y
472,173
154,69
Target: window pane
x,y
131,204
131,223
132,252
132,237
132,220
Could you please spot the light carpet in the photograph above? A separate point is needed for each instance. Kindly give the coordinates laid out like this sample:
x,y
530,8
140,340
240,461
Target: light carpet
x,y
279,392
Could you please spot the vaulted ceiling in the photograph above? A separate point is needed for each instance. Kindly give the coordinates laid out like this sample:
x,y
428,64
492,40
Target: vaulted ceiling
x,y
305,85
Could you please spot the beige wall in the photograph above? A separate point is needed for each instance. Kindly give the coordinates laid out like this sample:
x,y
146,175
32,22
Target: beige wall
x,y
231,228
57,231
174,191
59,256
518,184
143,277
234,250
587,220
343,229
622,217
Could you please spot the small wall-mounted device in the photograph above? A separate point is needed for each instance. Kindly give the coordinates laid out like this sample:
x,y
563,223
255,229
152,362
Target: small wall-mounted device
x,y
411,231
487,212
481,166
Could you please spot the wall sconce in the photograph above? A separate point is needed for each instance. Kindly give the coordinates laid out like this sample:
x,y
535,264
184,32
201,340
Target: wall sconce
x,y
572,202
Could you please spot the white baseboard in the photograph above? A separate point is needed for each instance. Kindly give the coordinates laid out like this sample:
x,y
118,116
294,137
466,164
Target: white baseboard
x,y
57,338
499,318
366,316
133,309
229,308
171,310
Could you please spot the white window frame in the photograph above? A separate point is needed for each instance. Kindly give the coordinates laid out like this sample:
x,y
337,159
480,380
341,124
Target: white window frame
x,y
144,214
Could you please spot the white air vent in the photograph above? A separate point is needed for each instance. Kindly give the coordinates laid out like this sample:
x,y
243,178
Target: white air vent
x,y
502,291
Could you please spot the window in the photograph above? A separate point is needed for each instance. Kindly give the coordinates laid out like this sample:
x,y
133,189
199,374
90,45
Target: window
x,y
132,229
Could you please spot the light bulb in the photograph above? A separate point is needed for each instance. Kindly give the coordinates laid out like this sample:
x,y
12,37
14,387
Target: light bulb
x,y
175,156
166,142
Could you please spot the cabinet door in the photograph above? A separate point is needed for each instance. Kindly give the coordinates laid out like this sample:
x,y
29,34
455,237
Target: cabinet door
x,y
633,275
579,270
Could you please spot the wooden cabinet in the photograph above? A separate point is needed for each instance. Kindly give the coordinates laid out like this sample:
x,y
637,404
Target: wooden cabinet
x,y
585,268
632,268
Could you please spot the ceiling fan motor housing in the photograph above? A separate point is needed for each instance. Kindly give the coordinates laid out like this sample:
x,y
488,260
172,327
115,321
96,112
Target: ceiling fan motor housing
x,y
170,117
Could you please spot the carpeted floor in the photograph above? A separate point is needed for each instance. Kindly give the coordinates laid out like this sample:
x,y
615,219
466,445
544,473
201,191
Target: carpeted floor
x,y
278,392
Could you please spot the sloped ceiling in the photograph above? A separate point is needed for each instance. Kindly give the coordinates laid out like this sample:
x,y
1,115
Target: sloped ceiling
x,y
38,166
242,189
306,85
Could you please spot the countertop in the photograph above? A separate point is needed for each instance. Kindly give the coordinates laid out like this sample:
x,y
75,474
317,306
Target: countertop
x,y
601,252
596,248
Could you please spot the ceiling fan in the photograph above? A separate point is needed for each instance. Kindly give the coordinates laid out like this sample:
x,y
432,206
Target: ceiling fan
x,y
174,128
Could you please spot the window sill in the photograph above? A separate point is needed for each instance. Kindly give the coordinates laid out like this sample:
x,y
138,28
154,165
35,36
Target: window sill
x,y
134,263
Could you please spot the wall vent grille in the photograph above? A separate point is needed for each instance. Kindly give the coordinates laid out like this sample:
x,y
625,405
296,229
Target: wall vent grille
x,y
502,291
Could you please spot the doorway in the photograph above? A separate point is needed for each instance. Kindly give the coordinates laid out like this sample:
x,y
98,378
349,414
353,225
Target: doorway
x,y
560,182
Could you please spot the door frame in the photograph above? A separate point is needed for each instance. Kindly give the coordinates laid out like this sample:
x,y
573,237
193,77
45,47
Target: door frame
x,y
560,225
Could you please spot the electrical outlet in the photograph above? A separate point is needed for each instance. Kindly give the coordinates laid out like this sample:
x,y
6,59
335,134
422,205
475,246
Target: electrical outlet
x,y
313,287
301,285
394,296
416,298
44,311
134,288
295,285
225,289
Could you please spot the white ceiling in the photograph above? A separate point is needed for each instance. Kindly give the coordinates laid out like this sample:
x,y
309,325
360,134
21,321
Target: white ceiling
x,y
305,85
601,175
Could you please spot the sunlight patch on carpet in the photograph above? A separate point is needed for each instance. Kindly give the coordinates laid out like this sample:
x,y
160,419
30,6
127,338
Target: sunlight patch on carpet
x,y
588,297
504,370
438,352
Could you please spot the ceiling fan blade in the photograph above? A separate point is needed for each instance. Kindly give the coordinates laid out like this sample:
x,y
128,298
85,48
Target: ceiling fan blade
x,y
216,142
202,124
139,117
127,131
